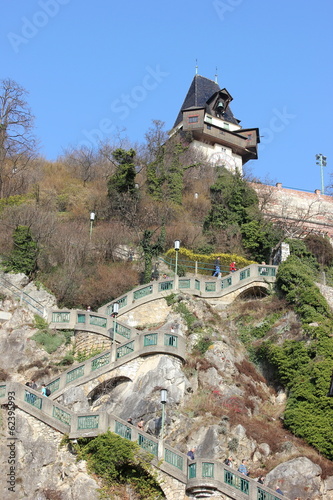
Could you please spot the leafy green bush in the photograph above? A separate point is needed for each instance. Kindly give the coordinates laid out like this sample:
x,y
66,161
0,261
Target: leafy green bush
x,y
305,367
118,460
295,280
50,340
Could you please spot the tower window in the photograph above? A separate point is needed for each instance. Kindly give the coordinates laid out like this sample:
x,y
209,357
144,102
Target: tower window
x,y
193,119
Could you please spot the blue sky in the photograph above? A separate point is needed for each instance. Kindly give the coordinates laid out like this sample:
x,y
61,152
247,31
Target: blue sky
x,y
92,68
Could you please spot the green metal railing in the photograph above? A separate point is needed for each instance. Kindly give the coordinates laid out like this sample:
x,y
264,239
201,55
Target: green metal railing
x,y
81,318
62,415
122,303
150,339
266,271
123,430
74,374
207,469
98,321
125,349
61,317
122,330
33,400
88,422
143,292
148,444
237,482
264,495
54,386
184,283
226,282
244,274
18,293
103,360
165,285
171,340
192,471
210,286
173,459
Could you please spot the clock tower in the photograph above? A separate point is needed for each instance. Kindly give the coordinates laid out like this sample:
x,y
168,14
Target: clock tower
x,y
214,129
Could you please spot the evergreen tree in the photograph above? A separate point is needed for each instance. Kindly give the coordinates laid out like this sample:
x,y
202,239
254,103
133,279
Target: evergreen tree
x,y
122,194
23,258
123,180
150,250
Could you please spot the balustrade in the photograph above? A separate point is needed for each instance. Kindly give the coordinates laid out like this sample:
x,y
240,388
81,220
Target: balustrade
x,y
173,458
74,374
143,292
237,482
61,317
54,386
61,415
245,273
122,430
88,422
125,349
33,400
100,361
171,340
122,330
98,321
150,339
148,444
165,285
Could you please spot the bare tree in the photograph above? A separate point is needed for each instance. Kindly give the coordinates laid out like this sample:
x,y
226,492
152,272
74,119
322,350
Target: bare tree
x,y
17,144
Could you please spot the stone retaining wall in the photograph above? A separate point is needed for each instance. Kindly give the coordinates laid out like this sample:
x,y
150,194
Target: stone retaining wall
x,y
88,342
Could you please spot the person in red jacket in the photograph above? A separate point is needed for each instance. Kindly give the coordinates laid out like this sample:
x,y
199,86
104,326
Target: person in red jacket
x,y
233,267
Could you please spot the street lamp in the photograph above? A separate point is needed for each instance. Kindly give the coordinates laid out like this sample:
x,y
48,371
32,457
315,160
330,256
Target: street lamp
x,y
177,247
115,311
163,402
322,162
92,218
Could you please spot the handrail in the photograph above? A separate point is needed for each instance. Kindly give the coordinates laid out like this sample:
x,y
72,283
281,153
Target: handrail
x,y
193,474
89,424
22,295
111,359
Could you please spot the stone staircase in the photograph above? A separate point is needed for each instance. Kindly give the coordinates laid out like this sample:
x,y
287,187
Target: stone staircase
x,y
201,478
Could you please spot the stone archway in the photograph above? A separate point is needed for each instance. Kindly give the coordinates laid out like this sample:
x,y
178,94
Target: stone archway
x,y
101,393
254,292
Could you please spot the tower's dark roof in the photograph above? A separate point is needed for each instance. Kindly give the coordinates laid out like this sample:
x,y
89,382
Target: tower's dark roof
x,y
201,89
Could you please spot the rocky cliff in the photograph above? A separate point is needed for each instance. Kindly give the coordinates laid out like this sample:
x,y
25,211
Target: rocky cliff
x,y
218,401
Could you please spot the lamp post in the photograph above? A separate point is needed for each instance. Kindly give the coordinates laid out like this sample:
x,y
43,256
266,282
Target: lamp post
x,y
115,311
92,218
322,162
163,403
177,246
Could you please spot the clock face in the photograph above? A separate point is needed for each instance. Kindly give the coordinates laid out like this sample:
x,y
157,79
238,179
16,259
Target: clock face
x,y
222,159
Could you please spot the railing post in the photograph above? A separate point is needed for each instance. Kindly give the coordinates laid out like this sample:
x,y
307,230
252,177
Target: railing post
x,y
196,268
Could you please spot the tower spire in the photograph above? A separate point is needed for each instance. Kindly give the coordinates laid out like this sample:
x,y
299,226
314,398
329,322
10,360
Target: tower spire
x,y
216,75
196,66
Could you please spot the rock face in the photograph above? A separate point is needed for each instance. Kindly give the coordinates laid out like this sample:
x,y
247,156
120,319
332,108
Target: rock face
x,y
43,469
212,401
297,478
